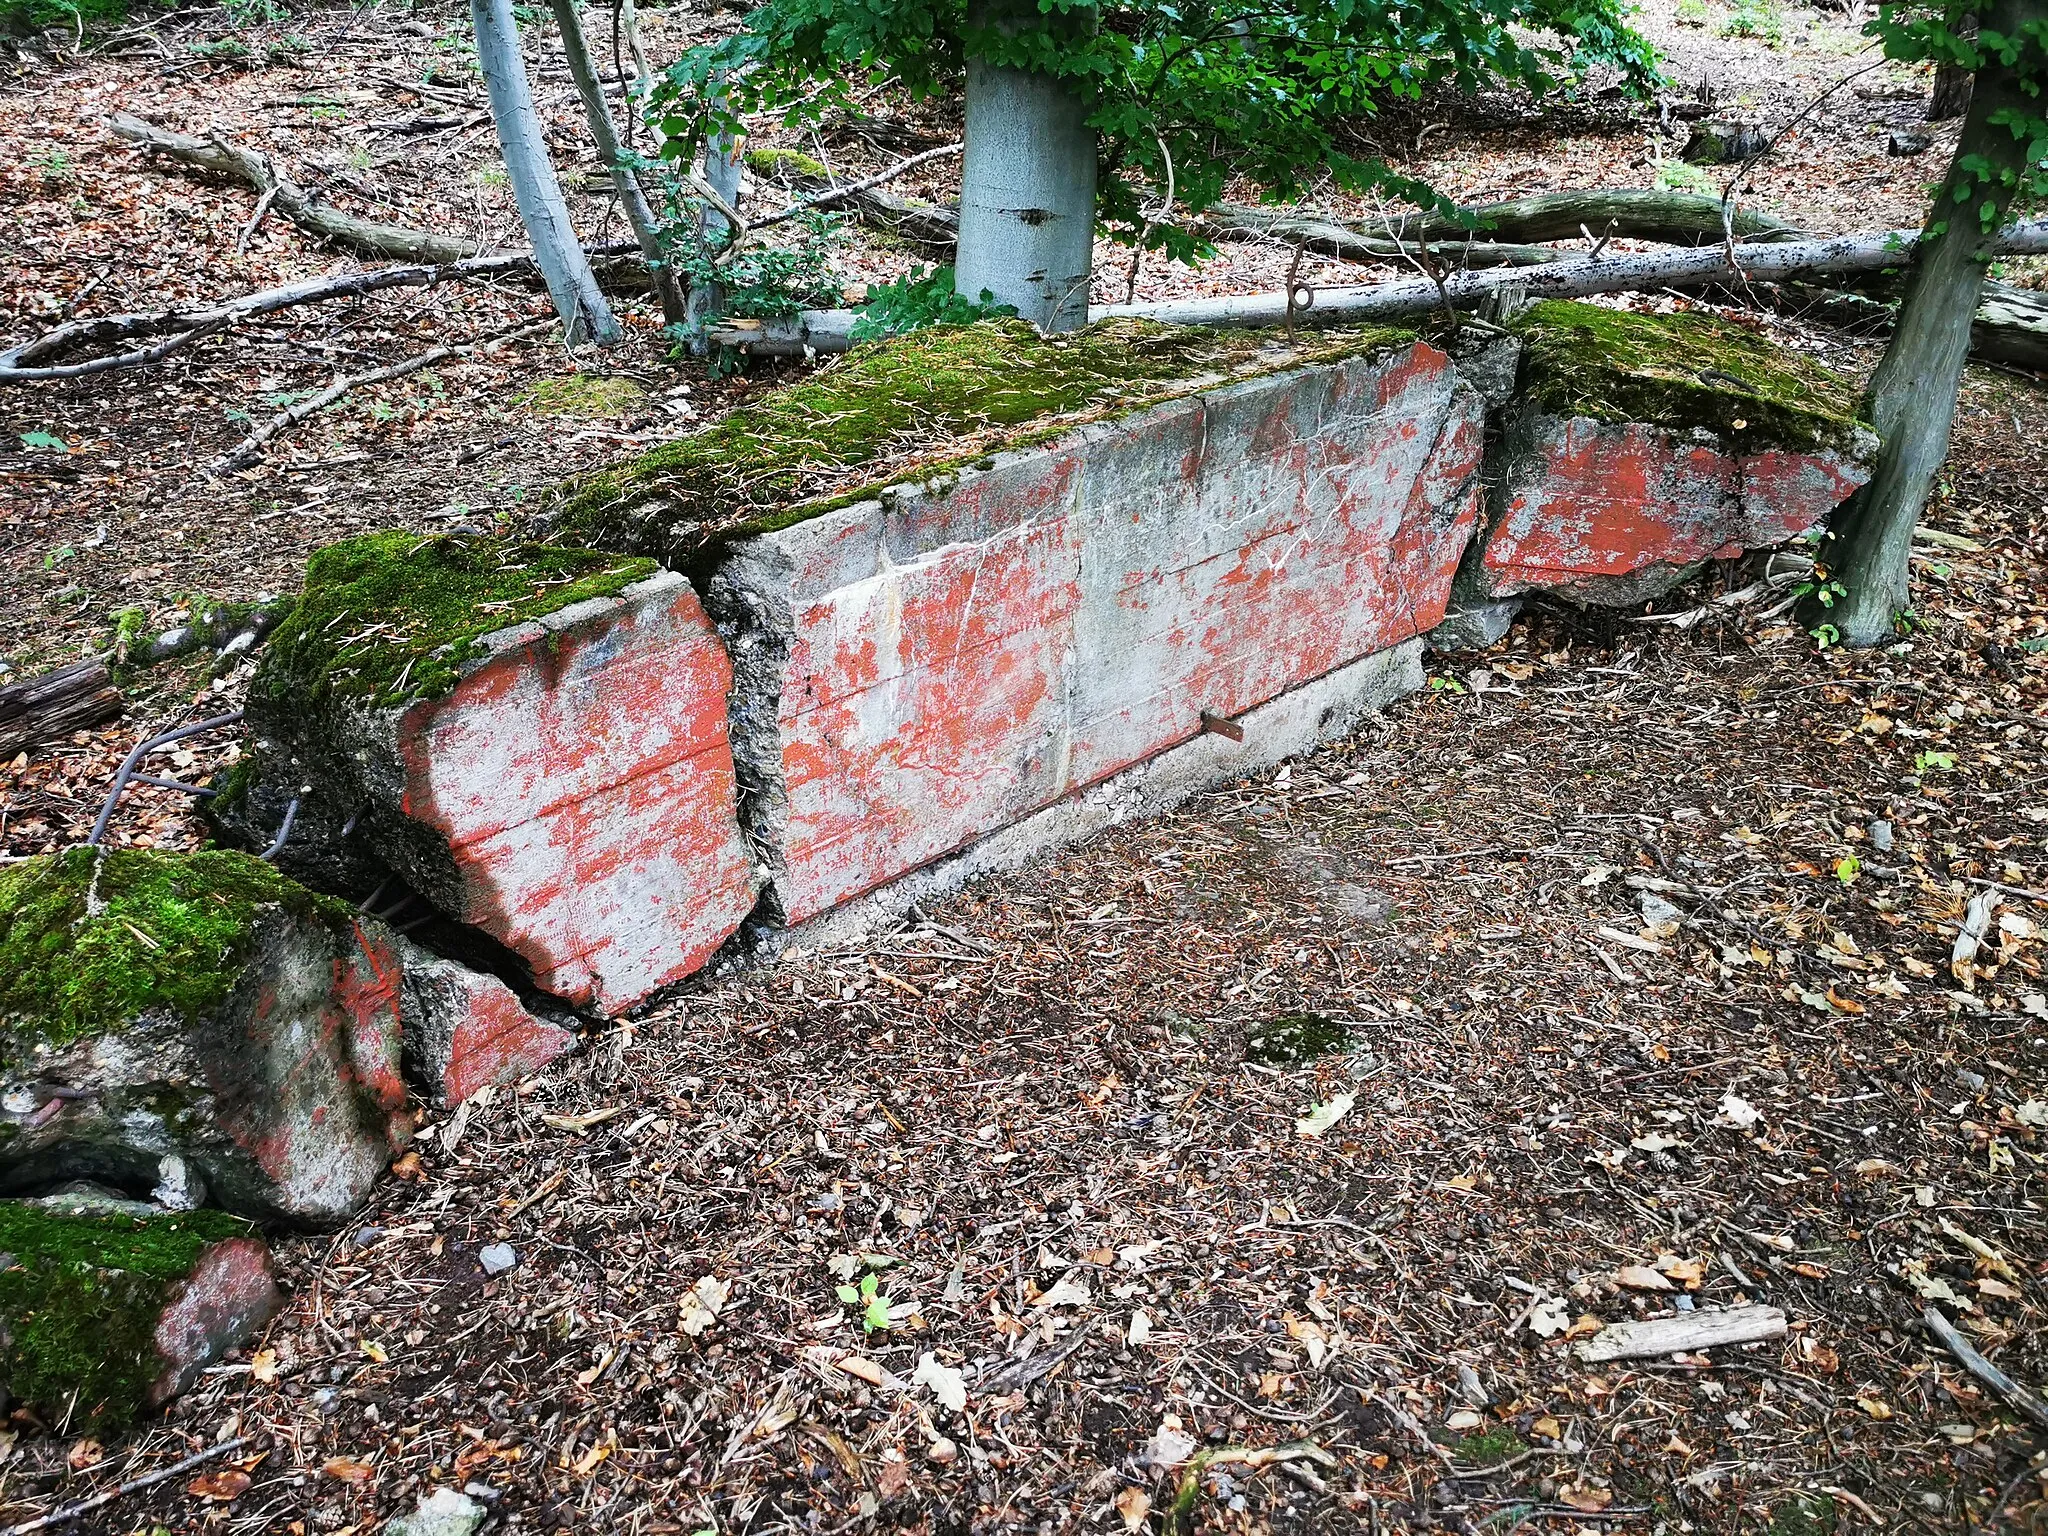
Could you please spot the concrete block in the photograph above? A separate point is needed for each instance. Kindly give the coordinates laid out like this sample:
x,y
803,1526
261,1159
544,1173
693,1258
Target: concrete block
x,y
917,671
465,1030
196,1026
1641,446
1325,709
570,793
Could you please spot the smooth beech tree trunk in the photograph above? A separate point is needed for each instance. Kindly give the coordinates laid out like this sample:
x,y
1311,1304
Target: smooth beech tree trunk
x,y
639,216
1027,191
571,283
1913,394
722,171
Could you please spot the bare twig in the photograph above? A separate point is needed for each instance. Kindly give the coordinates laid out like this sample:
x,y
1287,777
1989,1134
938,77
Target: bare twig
x,y
251,447
71,1512
833,195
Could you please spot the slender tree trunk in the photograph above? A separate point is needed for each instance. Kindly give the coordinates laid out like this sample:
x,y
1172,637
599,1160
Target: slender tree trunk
x,y
722,172
1027,193
646,232
1913,394
585,315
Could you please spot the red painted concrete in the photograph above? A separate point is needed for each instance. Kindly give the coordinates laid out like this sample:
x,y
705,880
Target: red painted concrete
x,y
230,1293
582,780
1074,611
1585,504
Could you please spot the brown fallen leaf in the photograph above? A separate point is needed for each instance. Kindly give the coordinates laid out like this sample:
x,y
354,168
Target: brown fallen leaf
x,y
263,1366
1585,1327
1590,1500
1637,1277
347,1469
85,1453
222,1485
1135,1505
581,1123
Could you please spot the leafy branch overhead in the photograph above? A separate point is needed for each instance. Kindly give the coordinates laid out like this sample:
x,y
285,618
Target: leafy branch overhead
x,y
1185,97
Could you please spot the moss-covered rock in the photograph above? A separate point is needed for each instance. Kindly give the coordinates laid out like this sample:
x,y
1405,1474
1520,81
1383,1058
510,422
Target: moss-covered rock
x,y
195,1024
917,405
785,165
1679,372
104,1316
90,939
390,617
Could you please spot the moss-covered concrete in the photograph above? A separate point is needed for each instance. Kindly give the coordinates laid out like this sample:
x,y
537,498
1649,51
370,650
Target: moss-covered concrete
x,y
391,617
920,404
91,938
1679,372
80,1299
584,396
785,164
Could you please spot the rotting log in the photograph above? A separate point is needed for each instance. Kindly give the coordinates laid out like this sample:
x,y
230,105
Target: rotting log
x,y
364,236
40,709
828,330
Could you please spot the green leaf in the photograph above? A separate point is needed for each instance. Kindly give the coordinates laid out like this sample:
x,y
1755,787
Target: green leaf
x,y
875,1318
44,440
847,1294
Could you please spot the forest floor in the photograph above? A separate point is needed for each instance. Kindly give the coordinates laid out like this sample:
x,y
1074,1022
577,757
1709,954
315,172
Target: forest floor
x,y
1047,1116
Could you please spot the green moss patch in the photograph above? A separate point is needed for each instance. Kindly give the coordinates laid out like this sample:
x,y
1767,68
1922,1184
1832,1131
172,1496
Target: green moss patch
x,y
933,400
390,617
585,396
1679,372
1490,1447
785,164
80,1301
1294,1038
91,938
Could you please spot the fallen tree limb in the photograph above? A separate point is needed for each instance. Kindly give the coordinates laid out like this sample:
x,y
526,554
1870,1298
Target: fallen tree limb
x,y
852,191
251,447
303,208
1669,218
39,709
827,330
2016,1396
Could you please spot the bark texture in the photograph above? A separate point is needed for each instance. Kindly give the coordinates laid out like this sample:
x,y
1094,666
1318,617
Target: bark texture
x,y
1913,395
573,286
39,709
1027,192
639,216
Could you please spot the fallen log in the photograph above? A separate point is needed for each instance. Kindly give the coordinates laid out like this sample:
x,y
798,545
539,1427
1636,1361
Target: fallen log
x,y
305,209
42,708
2016,1396
827,330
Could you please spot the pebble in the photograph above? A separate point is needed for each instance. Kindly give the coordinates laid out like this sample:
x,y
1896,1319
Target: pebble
x,y
497,1258
943,1451
443,1513
1881,836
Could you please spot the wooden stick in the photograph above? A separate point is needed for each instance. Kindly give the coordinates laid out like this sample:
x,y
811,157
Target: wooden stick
x,y
854,188
2017,1396
71,1512
1683,1334
73,698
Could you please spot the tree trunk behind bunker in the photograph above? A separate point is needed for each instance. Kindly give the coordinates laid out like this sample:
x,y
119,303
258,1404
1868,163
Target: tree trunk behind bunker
x,y
1913,394
571,284
1027,204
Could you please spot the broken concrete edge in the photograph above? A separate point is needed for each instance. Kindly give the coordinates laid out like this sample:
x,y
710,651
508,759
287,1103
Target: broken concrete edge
x,y
1326,709
1679,372
106,1315
93,937
387,618
268,1081
919,405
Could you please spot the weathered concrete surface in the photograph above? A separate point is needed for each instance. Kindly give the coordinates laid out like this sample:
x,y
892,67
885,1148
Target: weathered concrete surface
x,y
465,1030
1616,513
110,1308
917,672
1324,709
280,1099
572,796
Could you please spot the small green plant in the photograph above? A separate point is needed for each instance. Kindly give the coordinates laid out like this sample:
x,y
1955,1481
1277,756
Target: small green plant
x,y
1925,763
1491,1447
874,1315
1679,176
230,49
1847,868
58,556
1804,1514
1691,13
920,299
251,13
54,164
1763,20
44,440
1826,635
